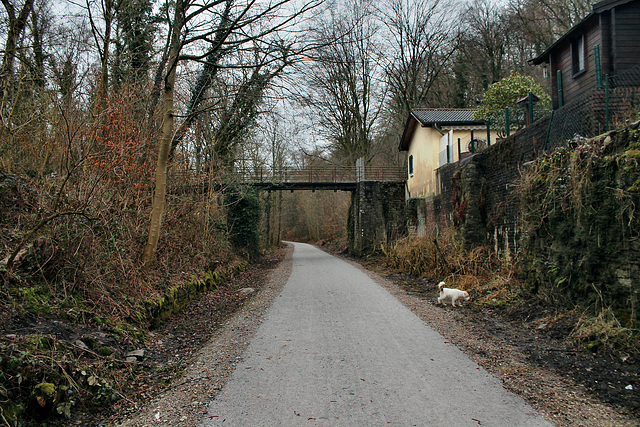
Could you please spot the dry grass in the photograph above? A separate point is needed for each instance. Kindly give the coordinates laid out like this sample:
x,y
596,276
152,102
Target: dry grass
x,y
491,281
440,257
603,330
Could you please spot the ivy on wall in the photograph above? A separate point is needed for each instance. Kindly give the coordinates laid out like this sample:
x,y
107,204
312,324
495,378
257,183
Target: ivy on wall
x,y
243,221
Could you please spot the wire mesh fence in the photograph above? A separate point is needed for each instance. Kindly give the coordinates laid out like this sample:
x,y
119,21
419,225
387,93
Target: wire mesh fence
x,y
614,105
629,78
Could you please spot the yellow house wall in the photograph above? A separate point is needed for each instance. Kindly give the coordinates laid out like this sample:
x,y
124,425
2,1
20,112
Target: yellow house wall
x,y
425,148
464,136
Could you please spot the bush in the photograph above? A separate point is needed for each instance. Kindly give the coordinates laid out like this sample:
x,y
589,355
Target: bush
x,y
243,221
506,93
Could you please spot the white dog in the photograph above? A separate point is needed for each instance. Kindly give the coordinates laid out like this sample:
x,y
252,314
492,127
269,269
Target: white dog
x,y
454,294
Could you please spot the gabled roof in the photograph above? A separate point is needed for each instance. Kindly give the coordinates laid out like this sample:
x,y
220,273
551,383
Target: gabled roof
x,y
598,8
442,116
436,116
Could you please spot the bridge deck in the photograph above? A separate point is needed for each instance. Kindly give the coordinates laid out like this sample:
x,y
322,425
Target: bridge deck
x,y
291,186
289,179
318,178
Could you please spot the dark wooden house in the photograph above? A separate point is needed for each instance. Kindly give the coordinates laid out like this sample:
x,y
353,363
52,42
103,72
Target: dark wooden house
x,y
605,42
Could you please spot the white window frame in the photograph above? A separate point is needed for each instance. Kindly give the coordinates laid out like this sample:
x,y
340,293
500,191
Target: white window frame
x,y
578,56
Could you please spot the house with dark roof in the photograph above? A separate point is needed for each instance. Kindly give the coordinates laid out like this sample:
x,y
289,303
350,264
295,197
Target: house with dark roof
x,y
605,42
434,137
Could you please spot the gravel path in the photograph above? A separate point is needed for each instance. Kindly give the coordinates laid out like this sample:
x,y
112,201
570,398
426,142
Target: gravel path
x,y
185,403
555,396
337,349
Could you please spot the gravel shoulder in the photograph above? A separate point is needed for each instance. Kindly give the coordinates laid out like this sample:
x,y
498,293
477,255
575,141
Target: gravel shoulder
x,y
185,402
518,352
513,351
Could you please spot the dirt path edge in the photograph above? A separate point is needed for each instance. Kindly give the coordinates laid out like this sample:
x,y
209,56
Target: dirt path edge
x,y
185,402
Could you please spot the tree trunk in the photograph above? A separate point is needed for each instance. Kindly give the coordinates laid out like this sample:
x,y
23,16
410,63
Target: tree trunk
x,y
16,26
104,76
15,29
168,125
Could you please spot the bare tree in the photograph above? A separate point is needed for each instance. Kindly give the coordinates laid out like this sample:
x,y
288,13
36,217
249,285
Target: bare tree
x,y
484,40
221,27
102,34
346,92
421,39
234,98
540,22
16,21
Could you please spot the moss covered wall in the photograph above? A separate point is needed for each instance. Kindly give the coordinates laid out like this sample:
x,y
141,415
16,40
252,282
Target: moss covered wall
x,y
581,230
175,299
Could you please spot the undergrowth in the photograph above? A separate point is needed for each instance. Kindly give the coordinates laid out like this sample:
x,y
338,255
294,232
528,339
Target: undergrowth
x,y
441,257
603,331
76,378
493,281
81,271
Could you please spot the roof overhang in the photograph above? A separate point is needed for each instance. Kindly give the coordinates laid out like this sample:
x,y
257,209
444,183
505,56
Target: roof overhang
x,y
407,133
598,8
544,56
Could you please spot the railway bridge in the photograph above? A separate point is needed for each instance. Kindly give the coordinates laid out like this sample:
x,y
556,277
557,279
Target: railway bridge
x,y
377,212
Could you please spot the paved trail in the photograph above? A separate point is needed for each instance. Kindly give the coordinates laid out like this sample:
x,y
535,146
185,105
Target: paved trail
x,y
336,349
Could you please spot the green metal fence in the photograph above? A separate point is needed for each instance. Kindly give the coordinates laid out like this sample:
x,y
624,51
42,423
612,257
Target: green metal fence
x,y
614,102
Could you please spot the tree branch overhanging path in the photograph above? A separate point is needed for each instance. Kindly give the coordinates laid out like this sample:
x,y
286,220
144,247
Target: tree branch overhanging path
x,y
238,25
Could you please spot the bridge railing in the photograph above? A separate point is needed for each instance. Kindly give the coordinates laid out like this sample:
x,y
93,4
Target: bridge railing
x,y
323,174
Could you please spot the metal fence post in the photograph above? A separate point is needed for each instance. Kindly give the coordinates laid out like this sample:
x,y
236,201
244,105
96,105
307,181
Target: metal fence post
x,y
606,103
488,133
531,119
360,169
507,120
560,90
596,58
448,157
459,150
472,144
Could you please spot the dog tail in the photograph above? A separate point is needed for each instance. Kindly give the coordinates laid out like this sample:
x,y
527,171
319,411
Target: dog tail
x,y
440,285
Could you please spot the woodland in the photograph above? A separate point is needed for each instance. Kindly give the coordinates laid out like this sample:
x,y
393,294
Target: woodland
x,y
124,125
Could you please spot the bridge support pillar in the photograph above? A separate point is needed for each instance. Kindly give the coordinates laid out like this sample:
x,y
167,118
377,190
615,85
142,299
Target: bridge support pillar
x,y
376,215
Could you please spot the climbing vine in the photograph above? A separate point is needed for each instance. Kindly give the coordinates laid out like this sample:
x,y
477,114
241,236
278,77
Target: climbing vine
x,y
243,219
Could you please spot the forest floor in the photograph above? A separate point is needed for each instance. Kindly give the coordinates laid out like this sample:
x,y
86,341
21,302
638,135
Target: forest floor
x,y
525,345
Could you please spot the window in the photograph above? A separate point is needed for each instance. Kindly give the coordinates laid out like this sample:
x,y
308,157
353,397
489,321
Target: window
x,y
578,56
410,165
